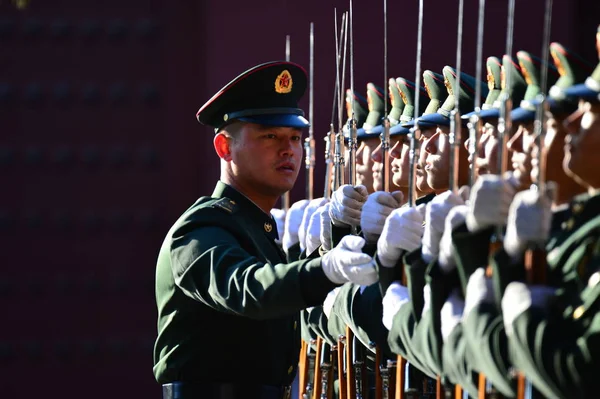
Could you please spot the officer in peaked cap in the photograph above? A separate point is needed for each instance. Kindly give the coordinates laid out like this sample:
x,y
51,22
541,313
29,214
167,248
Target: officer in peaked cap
x,y
220,276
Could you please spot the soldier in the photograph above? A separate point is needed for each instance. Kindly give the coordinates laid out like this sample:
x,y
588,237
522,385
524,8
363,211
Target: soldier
x,y
563,322
220,262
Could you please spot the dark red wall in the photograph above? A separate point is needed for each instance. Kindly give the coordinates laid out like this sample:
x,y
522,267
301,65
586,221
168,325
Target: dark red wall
x,y
100,152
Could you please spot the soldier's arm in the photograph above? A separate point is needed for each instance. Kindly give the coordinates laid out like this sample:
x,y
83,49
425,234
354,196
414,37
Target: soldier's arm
x,y
560,352
210,264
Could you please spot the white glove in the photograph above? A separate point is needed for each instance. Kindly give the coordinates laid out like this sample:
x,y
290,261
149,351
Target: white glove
x,y
312,206
347,263
402,230
480,289
529,220
330,300
279,216
293,218
519,297
395,297
346,205
313,233
451,313
378,207
435,217
490,198
426,299
325,231
456,216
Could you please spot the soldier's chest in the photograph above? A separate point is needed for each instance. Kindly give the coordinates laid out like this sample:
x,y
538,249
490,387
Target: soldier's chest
x,y
260,242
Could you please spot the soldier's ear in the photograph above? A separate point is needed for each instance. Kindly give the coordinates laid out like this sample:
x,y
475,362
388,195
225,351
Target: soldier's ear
x,y
222,146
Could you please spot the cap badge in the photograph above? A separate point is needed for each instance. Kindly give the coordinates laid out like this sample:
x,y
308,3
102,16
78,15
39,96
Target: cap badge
x,y
283,83
427,90
526,74
490,79
448,86
558,63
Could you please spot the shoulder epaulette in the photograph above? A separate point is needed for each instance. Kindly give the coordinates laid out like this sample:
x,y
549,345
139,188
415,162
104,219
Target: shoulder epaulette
x,y
226,204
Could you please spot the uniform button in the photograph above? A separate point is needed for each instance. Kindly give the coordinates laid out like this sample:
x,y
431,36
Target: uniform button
x,y
578,312
594,280
568,225
295,325
290,369
577,208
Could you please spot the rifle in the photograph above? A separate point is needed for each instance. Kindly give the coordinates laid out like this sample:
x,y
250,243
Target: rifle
x,y
535,258
309,142
285,198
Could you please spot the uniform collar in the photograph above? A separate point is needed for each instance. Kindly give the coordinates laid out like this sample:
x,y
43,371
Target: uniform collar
x,y
249,209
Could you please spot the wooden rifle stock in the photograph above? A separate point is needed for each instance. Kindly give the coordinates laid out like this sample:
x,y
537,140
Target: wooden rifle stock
x,y
343,394
350,387
317,377
302,369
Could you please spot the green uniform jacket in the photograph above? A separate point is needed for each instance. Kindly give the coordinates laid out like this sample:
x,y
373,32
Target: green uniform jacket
x,y
228,304
559,348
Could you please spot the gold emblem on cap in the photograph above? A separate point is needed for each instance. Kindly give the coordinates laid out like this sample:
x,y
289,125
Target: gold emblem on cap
x,y
427,90
369,101
283,82
448,85
268,227
525,72
349,106
490,79
559,65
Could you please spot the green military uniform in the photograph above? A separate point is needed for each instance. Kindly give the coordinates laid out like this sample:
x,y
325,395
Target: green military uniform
x,y
228,303
220,262
558,348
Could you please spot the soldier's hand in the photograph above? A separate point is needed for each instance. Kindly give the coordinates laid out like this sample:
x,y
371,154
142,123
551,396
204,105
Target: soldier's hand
x,y
347,263
330,300
518,297
395,297
311,208
293,218
325,231
456,216
378,207
479,290
451,313
402,230
313,233
490,199
435,217
529,221
279,216
346,205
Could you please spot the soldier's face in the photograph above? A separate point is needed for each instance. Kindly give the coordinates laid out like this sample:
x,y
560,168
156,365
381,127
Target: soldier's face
x,y
266,159
437,164
554,143
377,169
401,162
422,184
364,163
583,145
486,159
520,146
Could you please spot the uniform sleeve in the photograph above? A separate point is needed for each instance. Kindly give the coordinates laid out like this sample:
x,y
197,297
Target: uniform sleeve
x,y
560,353
487,346
210,265
457,367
